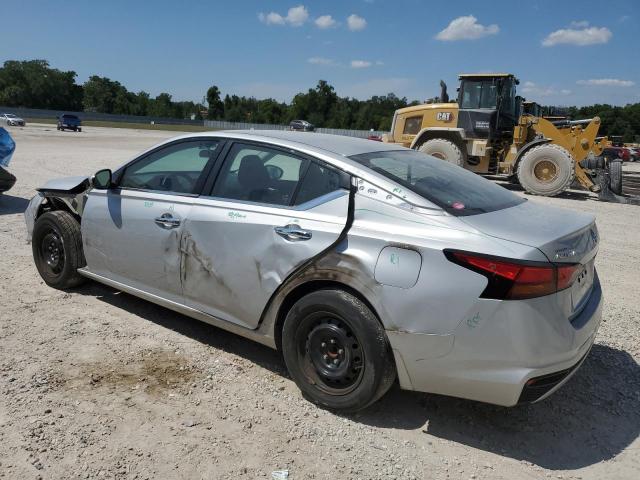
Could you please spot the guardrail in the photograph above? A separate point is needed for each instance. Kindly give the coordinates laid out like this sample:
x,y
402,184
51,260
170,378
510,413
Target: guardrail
x,y
215,124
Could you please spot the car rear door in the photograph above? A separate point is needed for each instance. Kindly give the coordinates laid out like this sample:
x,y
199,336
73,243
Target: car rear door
x,y
131,233
269,211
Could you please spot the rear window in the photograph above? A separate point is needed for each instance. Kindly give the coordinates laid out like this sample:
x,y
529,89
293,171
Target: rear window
x,y
456,190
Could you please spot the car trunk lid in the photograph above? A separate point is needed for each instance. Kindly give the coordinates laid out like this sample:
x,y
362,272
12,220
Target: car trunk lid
x,y
563,236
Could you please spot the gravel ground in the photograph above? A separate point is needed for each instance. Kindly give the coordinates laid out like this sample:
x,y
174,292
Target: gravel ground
x,y
98,384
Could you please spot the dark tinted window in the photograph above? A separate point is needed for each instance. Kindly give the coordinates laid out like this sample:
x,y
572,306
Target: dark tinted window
x,y
70,117
318,180
458,191
175,168
479,94
259,174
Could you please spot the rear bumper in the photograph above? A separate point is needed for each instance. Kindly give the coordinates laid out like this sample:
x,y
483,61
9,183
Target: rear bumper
x,y
503,360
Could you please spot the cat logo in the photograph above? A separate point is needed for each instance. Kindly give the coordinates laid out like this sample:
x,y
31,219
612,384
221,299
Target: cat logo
x,y
444,116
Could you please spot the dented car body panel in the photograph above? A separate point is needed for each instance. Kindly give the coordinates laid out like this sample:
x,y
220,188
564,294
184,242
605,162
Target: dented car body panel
x,y
237,264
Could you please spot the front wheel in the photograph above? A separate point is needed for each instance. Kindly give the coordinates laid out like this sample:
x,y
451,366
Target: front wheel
x,y
336,351
57,249
546,170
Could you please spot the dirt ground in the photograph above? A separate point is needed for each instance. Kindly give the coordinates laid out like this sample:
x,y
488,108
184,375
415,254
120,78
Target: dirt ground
x,y
95,383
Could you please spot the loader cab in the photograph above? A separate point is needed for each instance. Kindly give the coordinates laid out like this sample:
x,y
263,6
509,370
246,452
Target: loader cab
x,y
488,107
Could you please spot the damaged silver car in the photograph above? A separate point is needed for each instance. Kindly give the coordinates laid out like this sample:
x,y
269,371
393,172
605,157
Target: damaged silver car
x,y
361,262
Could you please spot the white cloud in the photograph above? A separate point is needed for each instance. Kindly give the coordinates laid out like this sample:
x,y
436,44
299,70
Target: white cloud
x,y
607,82
271,18
360,64
578,36
325,21
379,63
296,17
543,91
466,28
320,61
356,23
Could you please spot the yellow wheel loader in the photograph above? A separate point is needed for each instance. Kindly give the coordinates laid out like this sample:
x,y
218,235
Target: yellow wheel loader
x,y
488,132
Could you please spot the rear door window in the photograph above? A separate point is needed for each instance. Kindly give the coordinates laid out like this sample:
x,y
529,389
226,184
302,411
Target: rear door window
x,y
259,174
456,190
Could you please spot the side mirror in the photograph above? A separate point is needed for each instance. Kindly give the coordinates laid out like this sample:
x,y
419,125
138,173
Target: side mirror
x,y
102,179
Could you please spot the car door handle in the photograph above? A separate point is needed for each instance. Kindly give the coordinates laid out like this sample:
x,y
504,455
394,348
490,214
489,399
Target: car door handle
x,y
293,233
166,220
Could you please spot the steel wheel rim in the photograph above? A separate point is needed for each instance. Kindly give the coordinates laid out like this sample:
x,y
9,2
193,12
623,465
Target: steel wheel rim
x,y
52,252
439,155
545,171
330,354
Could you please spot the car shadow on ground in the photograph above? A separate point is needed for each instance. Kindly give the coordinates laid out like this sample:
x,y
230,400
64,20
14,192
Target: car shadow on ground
x,y
590,419
10,204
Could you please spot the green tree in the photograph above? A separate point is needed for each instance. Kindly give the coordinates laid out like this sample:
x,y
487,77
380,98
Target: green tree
x,y
216,106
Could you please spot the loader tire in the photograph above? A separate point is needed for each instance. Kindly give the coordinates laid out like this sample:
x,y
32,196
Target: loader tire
x,y
615,177
546,170
444,150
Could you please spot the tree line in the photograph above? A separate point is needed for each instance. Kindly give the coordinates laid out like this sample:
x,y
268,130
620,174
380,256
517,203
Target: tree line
x,y
34,84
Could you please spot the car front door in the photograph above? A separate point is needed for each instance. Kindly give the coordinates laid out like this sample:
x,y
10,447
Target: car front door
x,y
131,232
269,211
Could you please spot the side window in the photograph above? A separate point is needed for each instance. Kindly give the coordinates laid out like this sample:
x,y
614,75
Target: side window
x,y
259,174
175,168
318,180
412,125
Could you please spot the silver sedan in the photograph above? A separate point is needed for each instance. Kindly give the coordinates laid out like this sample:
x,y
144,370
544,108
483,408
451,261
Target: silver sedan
x,y
361,262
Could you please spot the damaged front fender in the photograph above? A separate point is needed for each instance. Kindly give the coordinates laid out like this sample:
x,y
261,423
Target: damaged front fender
x,y
69,193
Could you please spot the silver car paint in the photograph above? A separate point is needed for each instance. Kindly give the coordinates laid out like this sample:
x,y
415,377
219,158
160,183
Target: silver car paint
x,y
234,260
125,220
445,339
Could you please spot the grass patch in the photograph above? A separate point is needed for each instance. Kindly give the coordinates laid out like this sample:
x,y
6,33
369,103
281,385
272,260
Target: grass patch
x,y
137,126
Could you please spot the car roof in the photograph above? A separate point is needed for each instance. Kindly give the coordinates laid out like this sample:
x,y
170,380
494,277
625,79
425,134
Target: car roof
x,y
338,149
341,145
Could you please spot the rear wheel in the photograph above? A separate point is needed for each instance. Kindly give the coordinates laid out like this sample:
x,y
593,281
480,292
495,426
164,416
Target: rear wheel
x,y
546,170
57,249
615,177
336,351
444,150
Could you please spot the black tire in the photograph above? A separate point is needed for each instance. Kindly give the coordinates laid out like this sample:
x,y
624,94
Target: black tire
x,y
444,150
336,351
57,249
546,170
79,129
615,177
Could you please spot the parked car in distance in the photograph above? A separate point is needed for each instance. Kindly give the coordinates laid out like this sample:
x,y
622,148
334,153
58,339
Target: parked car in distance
x,y
634,152
613,153
69,122
360,261
301,126
12,120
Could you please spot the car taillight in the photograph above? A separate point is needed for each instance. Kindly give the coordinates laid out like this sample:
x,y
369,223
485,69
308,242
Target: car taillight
x,y
515,280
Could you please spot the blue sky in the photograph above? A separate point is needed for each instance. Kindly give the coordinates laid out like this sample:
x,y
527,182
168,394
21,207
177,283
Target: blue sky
x,y
563,52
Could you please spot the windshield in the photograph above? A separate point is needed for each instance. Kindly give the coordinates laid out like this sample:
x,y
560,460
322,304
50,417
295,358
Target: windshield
x,y
479,94
456,190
